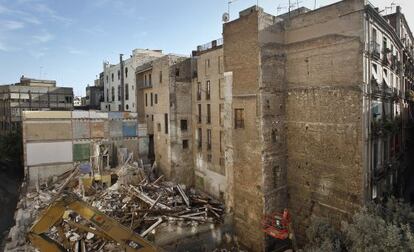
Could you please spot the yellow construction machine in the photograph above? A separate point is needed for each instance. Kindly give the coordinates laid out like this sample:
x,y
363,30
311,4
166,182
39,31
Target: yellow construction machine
x,y
106,227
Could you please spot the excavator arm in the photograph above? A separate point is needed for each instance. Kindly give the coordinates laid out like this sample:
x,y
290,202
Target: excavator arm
x,y
107,226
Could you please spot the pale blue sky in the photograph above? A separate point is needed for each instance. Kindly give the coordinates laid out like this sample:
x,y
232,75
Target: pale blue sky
x,y
68,40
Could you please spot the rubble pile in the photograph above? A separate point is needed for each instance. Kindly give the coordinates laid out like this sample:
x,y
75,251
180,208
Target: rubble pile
x,y
136,200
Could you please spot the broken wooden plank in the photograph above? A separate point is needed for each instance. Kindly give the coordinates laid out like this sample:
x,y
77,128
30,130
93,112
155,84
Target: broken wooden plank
x,y
152,227
144,197
183,195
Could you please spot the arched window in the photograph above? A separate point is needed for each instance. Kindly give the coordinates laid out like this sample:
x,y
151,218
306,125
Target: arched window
x,y
126,92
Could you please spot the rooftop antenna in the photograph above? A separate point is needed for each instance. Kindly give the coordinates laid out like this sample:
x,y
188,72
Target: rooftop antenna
x,y
314,6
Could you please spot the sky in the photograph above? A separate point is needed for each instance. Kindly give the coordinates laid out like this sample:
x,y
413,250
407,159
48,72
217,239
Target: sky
x,y
68,40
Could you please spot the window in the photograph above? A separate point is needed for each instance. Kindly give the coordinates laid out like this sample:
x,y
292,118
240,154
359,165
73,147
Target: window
x,y
183,125
177,72
150,79
208,90
239,118
200,138
160,76
112,77
207,65
222,142
126,92
384,43
199,113
119,74
166,123
156,98
119,93
107,79
208,139
126,107
209,157
199,91
146,100
126,72
113,93
208,113
152,117
145,80
221,114
159,127
221,88
220,64
185,144
119,107
107,95
152,100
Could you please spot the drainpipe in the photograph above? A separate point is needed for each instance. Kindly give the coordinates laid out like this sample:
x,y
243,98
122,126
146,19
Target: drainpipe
x,y
122,82
367,157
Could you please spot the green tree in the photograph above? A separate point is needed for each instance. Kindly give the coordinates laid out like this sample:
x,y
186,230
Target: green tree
x,y
377,227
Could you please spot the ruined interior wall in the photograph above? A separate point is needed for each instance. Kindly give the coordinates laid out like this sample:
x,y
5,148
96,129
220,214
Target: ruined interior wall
x,y
162,147
324,129
182,169
241,56
272,84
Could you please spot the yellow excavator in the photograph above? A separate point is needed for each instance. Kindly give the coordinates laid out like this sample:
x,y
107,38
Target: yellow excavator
x,y
106,227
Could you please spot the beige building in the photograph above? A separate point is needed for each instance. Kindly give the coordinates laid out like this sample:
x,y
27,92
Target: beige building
x,y
164,110
208,119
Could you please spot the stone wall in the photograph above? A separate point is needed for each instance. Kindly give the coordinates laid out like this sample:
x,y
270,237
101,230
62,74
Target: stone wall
x,y
241,56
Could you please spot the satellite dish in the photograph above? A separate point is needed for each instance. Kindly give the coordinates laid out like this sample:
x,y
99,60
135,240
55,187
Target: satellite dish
x,y
226,17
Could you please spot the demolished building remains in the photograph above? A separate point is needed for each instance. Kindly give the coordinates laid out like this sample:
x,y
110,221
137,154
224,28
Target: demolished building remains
x,y
305,111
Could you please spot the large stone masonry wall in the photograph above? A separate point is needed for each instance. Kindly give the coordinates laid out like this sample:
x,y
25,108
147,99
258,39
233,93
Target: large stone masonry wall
x,y
324,129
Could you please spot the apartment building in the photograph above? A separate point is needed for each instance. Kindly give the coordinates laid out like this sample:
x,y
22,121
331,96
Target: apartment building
x,y
208,119
164,110
31,95
119,80
317,113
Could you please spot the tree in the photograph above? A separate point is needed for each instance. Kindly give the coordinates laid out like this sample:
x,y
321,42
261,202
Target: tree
x,y
377,227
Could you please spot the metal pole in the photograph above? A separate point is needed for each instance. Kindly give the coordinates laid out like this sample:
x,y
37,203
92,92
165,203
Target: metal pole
x,y
314,7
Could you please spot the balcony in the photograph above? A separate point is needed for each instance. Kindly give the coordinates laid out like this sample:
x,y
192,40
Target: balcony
x,y
386,58
385,126
387,90
409,95
375,87
375,50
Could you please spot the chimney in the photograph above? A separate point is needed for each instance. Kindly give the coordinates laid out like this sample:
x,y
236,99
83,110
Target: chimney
x,y
121,65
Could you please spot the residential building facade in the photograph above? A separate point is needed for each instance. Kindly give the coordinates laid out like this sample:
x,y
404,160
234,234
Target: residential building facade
x,y
164,110
31,95
119,80
208,119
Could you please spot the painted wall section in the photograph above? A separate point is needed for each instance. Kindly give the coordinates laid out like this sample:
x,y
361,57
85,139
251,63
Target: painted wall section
x,y
49,153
